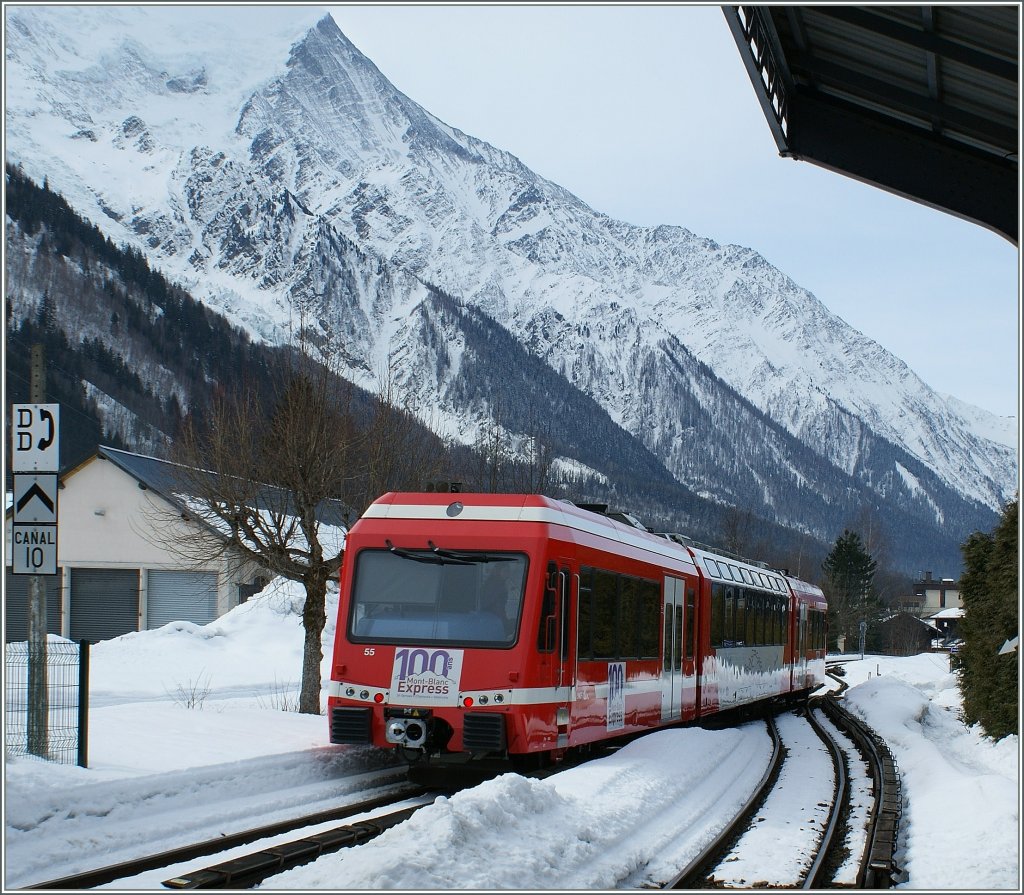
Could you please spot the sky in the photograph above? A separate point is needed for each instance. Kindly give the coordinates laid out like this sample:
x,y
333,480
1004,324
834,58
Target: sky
x,y
646,113
188,738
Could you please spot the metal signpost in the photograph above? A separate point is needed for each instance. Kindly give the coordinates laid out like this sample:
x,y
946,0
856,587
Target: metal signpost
x,y
35,462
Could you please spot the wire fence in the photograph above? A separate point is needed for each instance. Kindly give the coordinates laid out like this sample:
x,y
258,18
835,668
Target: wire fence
x,y
65,738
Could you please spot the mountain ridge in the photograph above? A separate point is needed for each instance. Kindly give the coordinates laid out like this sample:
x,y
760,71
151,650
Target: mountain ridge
x,y
338,203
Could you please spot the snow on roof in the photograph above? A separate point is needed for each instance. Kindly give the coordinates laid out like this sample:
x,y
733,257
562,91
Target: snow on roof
x,y
952,612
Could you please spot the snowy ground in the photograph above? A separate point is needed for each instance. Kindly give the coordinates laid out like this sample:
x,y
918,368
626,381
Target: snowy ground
x,y
163,774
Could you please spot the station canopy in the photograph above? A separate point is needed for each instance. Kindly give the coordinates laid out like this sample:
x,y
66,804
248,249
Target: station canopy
x,y
921,101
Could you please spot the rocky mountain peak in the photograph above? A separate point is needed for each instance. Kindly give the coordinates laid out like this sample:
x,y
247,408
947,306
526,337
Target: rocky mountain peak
x,y
294,182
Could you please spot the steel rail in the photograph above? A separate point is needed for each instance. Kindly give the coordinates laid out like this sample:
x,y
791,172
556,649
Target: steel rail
x,y
249,870
878,868
815,877
103,875
691,876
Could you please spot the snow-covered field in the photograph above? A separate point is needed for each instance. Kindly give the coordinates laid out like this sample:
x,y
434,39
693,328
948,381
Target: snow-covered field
x,y
163,774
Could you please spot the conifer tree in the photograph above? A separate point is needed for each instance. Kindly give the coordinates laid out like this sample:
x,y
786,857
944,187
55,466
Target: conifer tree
x,y
849,578
989,588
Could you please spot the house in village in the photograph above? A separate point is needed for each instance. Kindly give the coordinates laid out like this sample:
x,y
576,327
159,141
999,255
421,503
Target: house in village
x,y
937,602
120,520
904,634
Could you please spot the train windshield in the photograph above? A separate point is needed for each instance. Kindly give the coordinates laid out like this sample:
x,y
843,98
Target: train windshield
x,y
437,596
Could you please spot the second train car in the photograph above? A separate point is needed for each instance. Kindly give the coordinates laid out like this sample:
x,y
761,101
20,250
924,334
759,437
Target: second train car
x,y
478,626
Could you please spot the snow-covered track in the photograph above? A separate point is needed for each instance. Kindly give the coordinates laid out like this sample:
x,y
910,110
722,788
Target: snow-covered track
x,y
878,868
251,869
807,791
817,874
127,869
692,876
247,871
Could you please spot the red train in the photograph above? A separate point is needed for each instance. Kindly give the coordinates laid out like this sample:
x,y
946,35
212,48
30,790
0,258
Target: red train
x,y
476,626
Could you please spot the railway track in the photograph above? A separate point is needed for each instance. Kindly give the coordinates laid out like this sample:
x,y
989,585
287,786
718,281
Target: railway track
x,y
236,874
235,868
251,869
247,870
877,866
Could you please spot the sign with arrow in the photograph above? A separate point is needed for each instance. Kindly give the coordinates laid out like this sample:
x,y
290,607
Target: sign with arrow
x,y
1010,646
35,498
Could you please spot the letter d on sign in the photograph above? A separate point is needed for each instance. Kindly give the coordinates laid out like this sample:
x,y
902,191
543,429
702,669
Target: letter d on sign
x,y
34,438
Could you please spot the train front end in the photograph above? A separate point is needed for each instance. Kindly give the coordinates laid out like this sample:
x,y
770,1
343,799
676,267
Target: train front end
x,y
430,649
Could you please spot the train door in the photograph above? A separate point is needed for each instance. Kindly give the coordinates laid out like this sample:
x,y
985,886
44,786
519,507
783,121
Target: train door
x,y
554,644
691,697
800,665
672,650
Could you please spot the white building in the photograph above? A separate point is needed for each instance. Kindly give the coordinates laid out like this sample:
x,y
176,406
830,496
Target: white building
x,y
118,569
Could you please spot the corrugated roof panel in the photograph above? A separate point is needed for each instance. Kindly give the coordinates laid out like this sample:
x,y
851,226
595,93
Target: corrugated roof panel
x,y
919,100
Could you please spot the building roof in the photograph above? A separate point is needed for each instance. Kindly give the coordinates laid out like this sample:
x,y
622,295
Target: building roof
x,y
952,612
170,481
921,101
167,480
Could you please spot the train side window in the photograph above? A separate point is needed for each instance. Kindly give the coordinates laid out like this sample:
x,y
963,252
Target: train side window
x,y
729,628
628,618
564,595
606,614
741,617
650,618
750,631
667,658
717,614
691,611
584,616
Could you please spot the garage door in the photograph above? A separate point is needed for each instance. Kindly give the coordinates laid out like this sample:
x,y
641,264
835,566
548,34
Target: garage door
x,y
104,603
180,596
16,605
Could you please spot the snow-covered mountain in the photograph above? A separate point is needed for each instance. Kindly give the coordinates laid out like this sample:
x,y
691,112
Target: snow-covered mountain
x,y
269,167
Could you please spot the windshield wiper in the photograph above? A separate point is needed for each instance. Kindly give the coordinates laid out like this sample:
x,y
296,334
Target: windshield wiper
x,y
468,558
438,560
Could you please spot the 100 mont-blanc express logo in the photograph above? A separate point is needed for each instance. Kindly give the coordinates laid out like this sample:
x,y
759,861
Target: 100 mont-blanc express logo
x,y
426,677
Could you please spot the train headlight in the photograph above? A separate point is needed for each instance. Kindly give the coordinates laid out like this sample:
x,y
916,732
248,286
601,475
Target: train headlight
x,y
364,694
350,691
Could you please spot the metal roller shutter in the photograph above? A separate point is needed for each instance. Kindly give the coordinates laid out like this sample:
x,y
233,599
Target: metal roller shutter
x,y
180,596
16,605
104,603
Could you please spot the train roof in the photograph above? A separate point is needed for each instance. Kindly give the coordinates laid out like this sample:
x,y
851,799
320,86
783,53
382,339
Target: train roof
x,y
736,571
487,507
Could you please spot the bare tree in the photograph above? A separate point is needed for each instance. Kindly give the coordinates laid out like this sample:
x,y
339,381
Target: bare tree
x,y
263,477
280,480
400,452
736,530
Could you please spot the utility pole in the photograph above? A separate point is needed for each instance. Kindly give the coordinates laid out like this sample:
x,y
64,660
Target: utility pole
x,y
38,691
